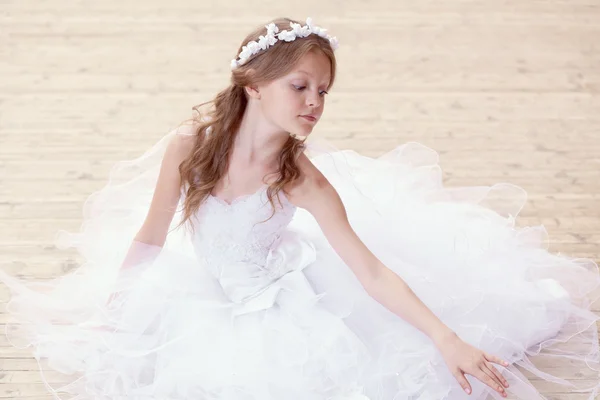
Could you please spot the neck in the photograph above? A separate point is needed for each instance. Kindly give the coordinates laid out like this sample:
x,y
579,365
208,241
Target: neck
x,y
257,141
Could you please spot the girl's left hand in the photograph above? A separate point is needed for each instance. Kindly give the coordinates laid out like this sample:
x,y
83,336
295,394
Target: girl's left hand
x,y
462,358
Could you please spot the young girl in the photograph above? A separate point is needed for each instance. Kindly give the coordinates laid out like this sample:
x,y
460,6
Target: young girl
x,y
235,261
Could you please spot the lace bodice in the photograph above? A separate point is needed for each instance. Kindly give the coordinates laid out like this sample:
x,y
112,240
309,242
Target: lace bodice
x,y
232,232
248,249
238,238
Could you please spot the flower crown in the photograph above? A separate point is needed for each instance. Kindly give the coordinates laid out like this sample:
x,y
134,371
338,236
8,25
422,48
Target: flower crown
x,y
273,35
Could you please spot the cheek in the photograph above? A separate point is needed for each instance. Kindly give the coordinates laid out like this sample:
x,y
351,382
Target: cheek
x,y
322,106
273,106
283,108
291,105
280,110
292,99
281,100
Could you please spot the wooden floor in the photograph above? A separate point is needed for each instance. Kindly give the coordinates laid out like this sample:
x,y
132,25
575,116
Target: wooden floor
x,y
506,91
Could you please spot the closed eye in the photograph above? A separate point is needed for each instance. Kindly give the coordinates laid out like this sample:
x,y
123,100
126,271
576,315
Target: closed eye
x,y
301,88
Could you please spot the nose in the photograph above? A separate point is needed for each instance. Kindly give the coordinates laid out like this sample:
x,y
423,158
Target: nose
x,y
313,99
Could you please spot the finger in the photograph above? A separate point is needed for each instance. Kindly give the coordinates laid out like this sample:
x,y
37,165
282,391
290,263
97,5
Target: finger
x,y
462,381
491,382
496,360
489,373
497,373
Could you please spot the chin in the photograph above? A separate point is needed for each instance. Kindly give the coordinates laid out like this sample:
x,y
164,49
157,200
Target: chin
x,y
303,130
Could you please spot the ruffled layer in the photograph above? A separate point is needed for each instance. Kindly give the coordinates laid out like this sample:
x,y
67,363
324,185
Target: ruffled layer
x,y
174,332
497,286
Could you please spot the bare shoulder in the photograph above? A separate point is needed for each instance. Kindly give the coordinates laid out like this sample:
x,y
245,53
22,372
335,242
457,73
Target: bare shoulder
x,y
312,189
180,147
311,179
167,192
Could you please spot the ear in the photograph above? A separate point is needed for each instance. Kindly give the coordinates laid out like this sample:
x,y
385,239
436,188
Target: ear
x,y
252,90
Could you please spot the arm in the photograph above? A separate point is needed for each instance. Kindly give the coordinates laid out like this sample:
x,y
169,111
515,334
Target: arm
x,y
319,197
147,243
323,202
153,232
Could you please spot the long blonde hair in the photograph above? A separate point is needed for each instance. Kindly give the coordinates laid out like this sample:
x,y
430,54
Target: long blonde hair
x,y
209,158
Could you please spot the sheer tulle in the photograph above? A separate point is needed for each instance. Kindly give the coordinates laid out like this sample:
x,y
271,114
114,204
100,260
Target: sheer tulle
x,y
459,249
167,326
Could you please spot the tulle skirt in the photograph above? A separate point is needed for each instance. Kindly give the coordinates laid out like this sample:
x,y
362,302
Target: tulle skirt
x,y
172,334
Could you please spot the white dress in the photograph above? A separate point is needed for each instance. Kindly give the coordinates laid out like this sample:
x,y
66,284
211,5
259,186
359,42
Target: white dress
x,y
247,309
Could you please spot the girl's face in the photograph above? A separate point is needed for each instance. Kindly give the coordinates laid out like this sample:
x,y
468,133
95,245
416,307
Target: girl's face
x,y
295,102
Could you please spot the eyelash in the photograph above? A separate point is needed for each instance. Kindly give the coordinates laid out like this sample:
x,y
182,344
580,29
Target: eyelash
x,y
299,88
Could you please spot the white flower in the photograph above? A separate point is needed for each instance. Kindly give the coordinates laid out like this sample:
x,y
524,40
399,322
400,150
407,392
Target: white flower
x,y
245,53
300,31
254,47
287,36
334,43
272,40
273,35
272,29
263,42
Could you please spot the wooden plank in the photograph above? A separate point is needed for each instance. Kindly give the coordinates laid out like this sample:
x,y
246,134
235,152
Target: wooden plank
x,y
504,91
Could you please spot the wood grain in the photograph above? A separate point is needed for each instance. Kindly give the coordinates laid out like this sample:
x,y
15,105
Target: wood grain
x,y
505,91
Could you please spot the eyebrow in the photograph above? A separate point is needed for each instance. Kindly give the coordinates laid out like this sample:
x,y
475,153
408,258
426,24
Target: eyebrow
x,y
309,74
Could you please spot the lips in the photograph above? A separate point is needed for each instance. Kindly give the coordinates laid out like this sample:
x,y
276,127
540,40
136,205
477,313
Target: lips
x,y
309,118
